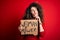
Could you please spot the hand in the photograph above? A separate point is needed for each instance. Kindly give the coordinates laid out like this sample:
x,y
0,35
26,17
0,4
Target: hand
x,y
38,18
20,28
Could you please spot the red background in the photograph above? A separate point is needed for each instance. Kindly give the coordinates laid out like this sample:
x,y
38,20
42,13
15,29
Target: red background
x,y
12,11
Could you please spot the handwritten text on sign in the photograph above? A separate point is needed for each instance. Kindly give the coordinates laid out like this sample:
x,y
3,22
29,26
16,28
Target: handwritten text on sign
x,y
29,27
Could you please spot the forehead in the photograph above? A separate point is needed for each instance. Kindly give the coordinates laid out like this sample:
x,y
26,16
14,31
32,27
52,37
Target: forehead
x,y
34,8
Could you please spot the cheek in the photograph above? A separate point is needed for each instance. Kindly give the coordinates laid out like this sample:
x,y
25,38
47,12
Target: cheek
x,y
32,12
36,12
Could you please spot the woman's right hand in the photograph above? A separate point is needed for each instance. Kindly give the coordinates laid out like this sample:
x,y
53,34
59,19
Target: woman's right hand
x,y
20,28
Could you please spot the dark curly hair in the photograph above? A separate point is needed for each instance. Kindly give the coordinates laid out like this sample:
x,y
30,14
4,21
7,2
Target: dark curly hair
x,y
28,14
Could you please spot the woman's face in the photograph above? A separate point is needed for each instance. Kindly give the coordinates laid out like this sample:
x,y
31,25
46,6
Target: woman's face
x,y
34,11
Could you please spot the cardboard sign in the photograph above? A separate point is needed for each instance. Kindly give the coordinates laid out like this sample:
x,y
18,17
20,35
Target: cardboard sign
x,y
29,27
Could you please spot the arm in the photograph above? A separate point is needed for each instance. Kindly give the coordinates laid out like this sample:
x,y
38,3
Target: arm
x,y
41,27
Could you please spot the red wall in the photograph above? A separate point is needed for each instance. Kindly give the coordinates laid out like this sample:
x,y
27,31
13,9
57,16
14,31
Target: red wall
x,y
12,11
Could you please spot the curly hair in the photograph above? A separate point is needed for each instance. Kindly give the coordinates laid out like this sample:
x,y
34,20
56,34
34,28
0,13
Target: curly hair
x,y
28,14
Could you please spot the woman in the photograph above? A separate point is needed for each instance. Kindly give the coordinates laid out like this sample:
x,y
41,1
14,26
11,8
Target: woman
x,y
34,11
